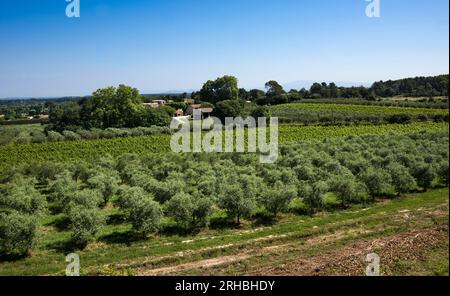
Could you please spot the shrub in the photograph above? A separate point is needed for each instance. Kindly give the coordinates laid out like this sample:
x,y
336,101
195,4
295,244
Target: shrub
x,y
53,136
399,118
169,110
71,136
18,233
38,137
180,105
85,223
260,111
22,138
86,134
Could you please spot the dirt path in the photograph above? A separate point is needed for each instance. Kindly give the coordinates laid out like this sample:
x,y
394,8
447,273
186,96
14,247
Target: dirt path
x,y
224,260
194,265
350,260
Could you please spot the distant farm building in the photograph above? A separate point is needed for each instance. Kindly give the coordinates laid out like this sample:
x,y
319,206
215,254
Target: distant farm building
x,y
206,112
155,104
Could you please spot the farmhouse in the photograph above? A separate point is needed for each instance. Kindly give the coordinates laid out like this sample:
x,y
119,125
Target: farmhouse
x,y
159,102
150,105
155,104
206,112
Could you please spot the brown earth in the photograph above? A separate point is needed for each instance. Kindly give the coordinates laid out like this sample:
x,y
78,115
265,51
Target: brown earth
x,y
350,260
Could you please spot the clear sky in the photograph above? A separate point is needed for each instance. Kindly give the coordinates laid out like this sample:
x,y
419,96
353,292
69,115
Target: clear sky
x,y
163,45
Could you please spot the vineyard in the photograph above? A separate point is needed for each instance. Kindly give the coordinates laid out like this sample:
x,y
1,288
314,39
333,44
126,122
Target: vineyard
x,y
435,103
89,150
358,109
332,114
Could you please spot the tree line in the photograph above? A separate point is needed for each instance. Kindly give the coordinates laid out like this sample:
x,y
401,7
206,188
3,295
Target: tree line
x,y
226,88
122,107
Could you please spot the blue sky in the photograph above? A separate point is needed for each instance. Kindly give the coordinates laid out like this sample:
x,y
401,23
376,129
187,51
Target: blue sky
x,y
163,45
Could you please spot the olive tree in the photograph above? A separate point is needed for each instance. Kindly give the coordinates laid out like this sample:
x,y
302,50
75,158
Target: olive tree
x,y
203,207
106,184
129,196
314,196
442,171
85,223
377,181
276,199
18,233
62,189
141,210
238,195
87,198
348,190
181,209
145,216
20,195
424,175
236,202
402,180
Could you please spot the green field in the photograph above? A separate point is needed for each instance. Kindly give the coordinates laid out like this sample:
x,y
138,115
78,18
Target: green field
x,y
12,155
355,109
343,113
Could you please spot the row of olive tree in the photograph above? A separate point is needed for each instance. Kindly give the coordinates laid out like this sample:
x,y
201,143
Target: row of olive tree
x,y
189,188
83,134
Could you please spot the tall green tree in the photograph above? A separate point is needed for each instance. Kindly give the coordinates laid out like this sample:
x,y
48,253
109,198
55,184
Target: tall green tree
x,y
274,89
117,107
221,89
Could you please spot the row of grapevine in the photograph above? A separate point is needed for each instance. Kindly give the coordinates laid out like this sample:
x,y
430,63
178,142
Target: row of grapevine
x,y
362,109
89,150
